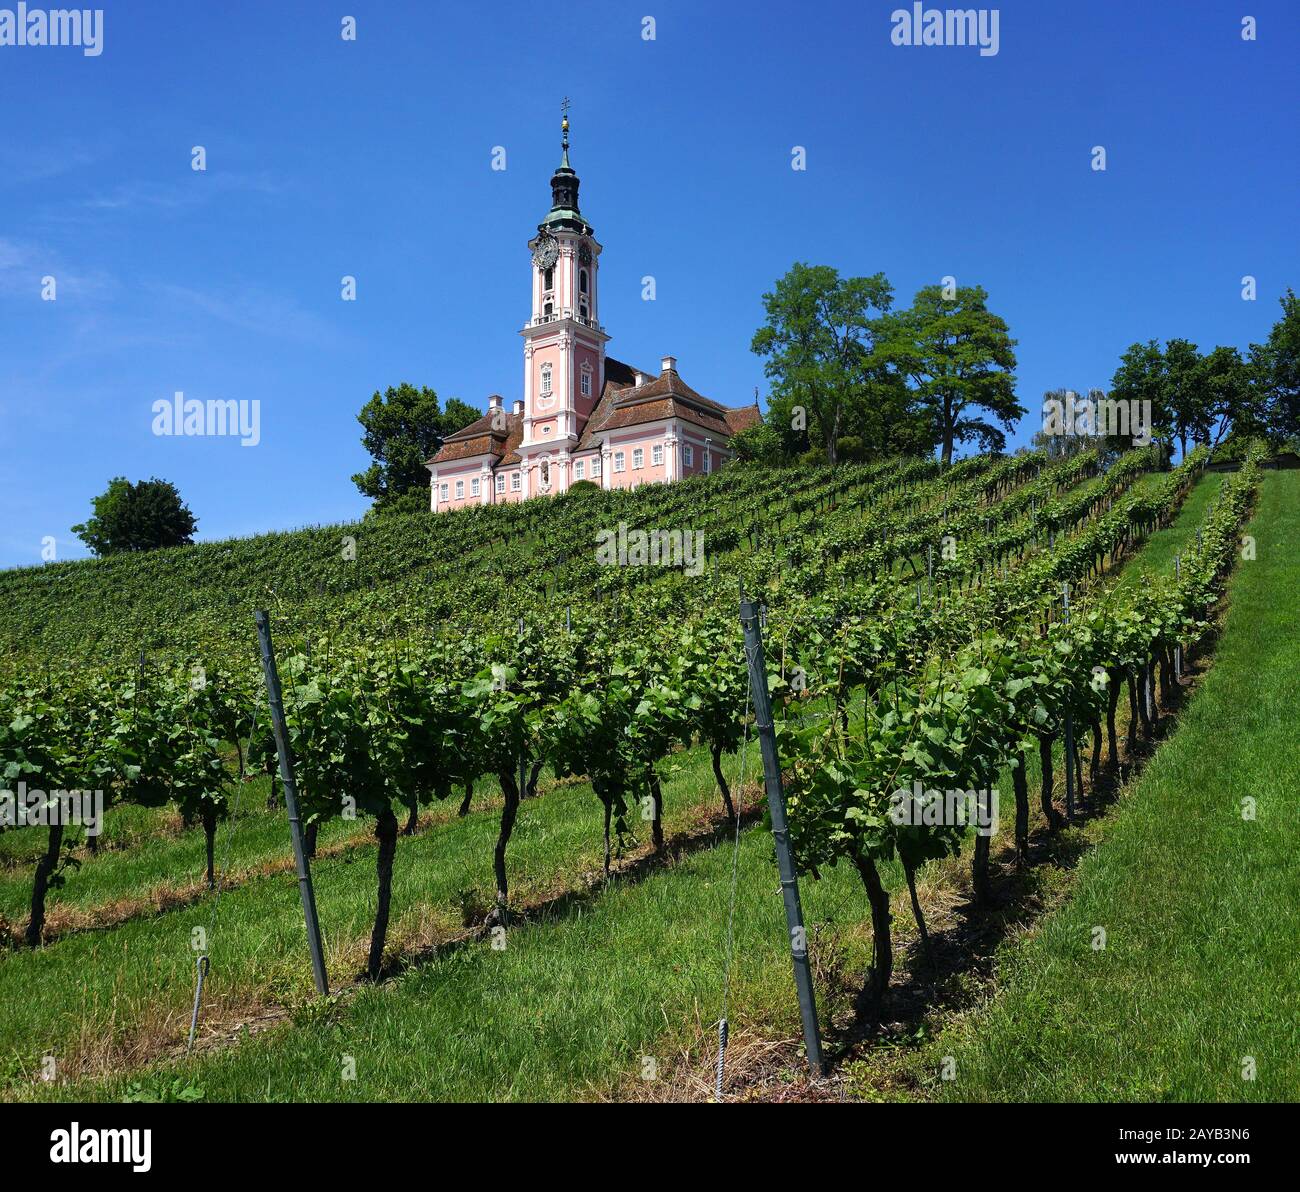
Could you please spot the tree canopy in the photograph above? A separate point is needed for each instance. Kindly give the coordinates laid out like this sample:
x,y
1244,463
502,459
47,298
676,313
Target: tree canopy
x,y
958,356
141,516
404,426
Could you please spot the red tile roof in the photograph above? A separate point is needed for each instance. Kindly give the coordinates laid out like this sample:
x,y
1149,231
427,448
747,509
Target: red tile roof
x,y
622,403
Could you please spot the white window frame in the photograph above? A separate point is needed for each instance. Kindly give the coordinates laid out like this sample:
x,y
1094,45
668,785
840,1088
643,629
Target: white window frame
x,y
708,461
595,467
474,489
657,455
620,462
515,485
579,469
443,489
586,380
638,458
460,490
688,455
546,379
501,483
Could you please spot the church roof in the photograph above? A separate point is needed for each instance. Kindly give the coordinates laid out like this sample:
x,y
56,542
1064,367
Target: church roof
x,y
623,403
496,434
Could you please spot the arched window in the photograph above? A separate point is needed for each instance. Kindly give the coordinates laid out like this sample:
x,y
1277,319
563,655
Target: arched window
x,y
582,281
548,279
546,472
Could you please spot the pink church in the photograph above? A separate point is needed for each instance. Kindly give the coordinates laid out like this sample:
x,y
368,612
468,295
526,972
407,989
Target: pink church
x,y
584,415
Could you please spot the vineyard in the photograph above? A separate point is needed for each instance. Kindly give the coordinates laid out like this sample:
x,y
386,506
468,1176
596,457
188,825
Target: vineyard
x,y
539,732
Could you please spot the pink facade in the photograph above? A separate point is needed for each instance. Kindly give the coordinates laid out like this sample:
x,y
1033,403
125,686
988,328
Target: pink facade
x,y
583,415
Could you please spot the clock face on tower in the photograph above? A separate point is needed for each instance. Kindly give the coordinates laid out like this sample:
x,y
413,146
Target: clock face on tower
x,y
584,253
546,253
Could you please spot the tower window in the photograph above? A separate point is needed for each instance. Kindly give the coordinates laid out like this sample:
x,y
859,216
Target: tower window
x,y
548,280
546,380
586,380
582,282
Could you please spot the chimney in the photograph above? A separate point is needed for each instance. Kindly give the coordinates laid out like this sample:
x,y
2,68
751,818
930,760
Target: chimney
x,y
519,406
669,364
640,379
494,402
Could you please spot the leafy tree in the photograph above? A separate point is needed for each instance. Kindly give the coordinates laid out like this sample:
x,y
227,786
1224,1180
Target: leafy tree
x,y
405,426
1140,377
1275,365
1228,397
760,443
141,516
820,344
1185,399
1064,446
959,358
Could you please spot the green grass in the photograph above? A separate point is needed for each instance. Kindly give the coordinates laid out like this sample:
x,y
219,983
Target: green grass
x,y
569,1008
1158,554
1201,907
117,997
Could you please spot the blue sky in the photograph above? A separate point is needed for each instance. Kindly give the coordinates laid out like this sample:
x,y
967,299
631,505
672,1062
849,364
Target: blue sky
x,y
373,159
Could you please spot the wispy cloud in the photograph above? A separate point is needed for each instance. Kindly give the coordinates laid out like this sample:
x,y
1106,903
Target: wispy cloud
x,y
253,308
27,164
23,263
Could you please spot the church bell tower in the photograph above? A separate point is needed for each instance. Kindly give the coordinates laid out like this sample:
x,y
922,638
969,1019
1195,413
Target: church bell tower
x,y
564,343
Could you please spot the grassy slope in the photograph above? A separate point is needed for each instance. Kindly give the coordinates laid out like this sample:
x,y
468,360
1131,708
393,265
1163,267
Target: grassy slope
x,y
116,997
1201,908
630,973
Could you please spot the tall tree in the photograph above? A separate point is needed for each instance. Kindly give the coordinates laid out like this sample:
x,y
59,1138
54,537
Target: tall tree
x,y
404,426
820,344
1228,397
1139,378
1275,365
958,356
1185,397
141,516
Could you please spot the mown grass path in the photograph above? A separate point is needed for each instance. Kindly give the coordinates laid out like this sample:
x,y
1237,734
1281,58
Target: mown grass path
x,y
1198,984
